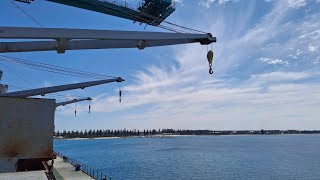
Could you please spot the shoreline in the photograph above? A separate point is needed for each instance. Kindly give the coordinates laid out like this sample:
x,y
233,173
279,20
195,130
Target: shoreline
x,y
87,138
173,136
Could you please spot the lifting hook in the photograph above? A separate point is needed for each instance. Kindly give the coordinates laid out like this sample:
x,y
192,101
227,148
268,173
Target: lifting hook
x,y
210,70
210,59
120,93
75,110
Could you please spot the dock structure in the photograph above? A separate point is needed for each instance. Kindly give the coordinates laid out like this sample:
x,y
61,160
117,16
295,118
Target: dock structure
x,y
65,171
66,167
29,175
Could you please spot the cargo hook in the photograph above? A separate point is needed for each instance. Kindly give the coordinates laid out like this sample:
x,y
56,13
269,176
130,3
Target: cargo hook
x,y
210,59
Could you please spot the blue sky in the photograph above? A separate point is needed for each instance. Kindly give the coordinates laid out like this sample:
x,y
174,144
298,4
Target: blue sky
x,y
266,68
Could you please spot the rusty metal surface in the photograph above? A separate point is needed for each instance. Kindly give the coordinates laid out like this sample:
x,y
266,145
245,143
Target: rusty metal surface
x,y
26,129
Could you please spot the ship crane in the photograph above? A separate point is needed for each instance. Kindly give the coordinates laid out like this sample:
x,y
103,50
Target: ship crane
x,y
34,118
73,101
77,39
55,89
61,39
150,12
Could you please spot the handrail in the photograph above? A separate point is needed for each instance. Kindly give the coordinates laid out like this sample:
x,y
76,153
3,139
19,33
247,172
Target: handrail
x,y
92,172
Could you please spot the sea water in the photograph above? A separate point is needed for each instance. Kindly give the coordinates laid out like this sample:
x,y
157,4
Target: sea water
x,y
200,157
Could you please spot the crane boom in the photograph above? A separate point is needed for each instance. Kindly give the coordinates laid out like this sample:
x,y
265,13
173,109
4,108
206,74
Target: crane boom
x,y
54,89
60,33
73,39
73,101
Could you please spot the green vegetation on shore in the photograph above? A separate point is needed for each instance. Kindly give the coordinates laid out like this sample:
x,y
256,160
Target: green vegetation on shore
x,y
153,132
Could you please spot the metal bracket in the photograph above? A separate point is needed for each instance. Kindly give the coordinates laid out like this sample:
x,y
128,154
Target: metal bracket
x,y
62,45
142,44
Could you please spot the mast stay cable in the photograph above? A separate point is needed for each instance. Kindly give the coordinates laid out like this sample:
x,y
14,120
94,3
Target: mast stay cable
x,y
27,14
53,68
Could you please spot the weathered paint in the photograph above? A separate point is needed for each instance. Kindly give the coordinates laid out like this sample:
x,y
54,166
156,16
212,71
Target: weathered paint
x,y
26,130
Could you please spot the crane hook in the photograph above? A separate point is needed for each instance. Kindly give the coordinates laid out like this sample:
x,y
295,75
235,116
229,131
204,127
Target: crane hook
x,y
210,60
120,93
210,70
89,108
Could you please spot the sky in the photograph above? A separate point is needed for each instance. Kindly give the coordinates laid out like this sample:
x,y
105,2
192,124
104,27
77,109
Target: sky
x,y
266,68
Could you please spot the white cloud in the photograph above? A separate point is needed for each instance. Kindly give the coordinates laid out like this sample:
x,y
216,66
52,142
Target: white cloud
x,y
216,104
47,84
178,1
185,96
296,3
312,48
279,77
274,61
208,3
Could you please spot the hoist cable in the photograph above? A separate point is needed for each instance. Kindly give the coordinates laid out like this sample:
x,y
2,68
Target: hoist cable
x,y
154,18
53,68
145,20
50,68
33,19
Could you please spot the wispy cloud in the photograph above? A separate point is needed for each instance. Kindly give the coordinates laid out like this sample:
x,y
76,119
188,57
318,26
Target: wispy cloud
x,y
208,3
274,61
264,75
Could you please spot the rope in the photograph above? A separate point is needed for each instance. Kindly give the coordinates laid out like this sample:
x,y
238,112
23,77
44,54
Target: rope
x,y
33,19
154,19
53,68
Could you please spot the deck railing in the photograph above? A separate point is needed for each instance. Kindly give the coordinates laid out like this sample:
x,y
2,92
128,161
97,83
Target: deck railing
x,y
92,172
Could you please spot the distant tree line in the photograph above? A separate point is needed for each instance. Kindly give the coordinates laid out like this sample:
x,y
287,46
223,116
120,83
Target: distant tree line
x,y
153,132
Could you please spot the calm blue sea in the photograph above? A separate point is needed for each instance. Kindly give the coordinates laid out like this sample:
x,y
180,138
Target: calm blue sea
x,y
201,157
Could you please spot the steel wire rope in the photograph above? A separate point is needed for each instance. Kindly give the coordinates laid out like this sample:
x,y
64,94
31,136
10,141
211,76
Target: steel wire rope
x,y
31,84
130,15
18,75
33,19
48,68
145,20
53,68
35,66
159,19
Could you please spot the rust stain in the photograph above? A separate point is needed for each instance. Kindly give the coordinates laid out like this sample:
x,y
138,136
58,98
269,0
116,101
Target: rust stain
x,y
11,150
47,152
16,149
